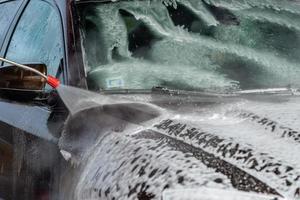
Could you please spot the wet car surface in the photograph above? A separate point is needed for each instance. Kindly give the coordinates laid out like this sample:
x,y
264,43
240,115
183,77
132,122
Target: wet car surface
x,y
192,148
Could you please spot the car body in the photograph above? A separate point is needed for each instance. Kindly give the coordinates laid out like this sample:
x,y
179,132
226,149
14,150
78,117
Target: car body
x,y
139,143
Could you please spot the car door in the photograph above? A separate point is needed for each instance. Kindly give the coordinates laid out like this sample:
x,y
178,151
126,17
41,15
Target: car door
x,y
25,127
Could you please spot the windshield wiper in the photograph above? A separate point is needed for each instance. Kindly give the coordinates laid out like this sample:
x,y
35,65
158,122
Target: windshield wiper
x,y
166,91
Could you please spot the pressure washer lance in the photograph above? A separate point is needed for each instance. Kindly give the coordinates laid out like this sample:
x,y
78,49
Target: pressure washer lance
x,y
52,81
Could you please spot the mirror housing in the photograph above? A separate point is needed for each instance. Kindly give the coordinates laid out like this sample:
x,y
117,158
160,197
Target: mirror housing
x,y
15,81
14,78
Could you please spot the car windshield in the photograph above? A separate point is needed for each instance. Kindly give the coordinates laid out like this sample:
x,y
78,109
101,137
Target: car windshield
x,y
194,45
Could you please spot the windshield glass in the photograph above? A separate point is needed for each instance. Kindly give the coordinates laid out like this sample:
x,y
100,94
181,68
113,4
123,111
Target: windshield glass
x,y
191,45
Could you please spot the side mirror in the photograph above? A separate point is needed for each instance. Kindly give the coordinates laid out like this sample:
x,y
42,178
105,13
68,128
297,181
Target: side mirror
x,y
15,81
14,78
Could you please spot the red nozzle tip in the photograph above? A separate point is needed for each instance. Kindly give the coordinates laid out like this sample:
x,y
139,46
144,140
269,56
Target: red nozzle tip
x,y
52,81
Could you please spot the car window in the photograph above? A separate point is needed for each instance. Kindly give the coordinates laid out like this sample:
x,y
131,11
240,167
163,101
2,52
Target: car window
x,y
38,37
7,12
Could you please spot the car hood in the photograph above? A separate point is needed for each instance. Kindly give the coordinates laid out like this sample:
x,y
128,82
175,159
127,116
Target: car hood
x,y
139,146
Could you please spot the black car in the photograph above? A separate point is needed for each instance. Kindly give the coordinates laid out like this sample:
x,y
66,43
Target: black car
x,y
159,99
